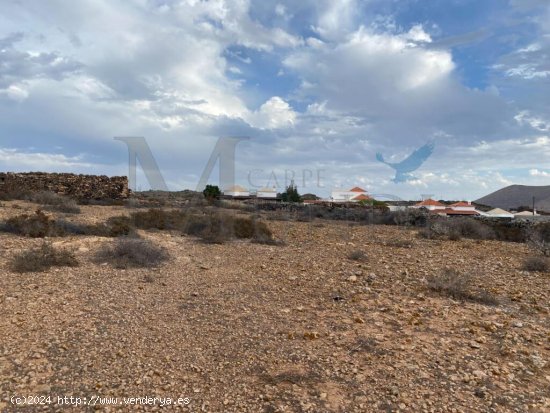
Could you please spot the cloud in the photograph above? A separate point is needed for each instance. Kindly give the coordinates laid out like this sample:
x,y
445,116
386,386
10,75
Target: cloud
x,y
317,85
538,172
406,90
273,114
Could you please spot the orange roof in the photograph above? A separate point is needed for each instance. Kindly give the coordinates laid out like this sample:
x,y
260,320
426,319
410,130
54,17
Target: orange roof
x,y
357,189
430,202
449,211
461,204
361,197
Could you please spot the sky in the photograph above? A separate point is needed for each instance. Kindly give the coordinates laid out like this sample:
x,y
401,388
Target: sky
x,y
319,87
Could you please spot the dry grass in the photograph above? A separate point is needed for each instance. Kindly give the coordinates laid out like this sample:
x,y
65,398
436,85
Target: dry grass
x,y
459,286
42,259
131,252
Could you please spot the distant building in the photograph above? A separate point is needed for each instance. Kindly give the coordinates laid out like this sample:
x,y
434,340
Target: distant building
x,y
498,213
236,191
462,206
354,194
266,193
525,214
430,205
456,209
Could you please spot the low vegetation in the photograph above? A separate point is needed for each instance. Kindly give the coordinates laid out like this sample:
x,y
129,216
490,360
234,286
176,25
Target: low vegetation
x,y
42,259
213,227
459,286
399,243
358,255
37,225
131,252
536,263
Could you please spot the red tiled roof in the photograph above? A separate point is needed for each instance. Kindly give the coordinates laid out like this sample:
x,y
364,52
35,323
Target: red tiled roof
x,y
357,189
361,197
430,202
449,211
461,204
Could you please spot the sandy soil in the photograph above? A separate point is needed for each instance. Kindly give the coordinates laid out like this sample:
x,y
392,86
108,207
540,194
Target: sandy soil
x,y
299,327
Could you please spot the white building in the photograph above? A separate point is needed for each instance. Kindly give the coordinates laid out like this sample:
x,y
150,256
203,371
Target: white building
x,y
236,190
269,193
354,194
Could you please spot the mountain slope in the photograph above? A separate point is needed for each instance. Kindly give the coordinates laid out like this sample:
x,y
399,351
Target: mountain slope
x,y
514,196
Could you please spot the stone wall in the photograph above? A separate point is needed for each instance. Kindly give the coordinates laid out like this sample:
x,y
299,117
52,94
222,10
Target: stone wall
x,y
77,186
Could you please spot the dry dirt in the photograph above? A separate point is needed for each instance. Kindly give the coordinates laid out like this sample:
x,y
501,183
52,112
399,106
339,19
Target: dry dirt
x,y
299,327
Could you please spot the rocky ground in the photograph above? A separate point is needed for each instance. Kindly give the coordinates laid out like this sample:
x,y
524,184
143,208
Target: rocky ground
x,y
299,327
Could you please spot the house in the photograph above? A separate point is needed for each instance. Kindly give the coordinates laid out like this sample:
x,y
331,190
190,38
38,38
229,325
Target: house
x,y
463,206
236,191
455,212
266,193
354,194
498,213
430,205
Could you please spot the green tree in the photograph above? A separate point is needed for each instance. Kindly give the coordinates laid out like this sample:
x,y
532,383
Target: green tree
x,y
291,194
212,192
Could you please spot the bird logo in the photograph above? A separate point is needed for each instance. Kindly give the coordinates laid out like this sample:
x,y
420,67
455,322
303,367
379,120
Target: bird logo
x,y
404,168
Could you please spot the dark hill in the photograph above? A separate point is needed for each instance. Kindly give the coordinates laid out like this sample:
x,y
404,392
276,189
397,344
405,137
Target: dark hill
x,y
514,196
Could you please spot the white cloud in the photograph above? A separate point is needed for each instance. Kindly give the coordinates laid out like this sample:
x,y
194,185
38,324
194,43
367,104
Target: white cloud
x,y
538,172
273,114
16,93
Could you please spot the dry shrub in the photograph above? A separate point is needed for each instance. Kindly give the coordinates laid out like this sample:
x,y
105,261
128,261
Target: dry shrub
x,y
538,238
68,207
42,259
212,227
131,252
357,255
159,219
459,286
536,263
38,225
54,202
399,243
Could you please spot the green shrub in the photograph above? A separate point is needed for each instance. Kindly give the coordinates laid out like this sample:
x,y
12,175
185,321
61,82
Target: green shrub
x,y
42,259
131,252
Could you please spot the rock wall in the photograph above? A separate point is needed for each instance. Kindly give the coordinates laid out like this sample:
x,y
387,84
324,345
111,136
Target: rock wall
x,y
77,186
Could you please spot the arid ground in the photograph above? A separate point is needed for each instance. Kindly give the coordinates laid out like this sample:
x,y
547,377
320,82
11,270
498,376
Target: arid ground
x,y
296,327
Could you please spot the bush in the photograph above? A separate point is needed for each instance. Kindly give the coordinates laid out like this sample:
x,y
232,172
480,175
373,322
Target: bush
x,y
42,259
54,202
159,219
399,243
119,226
357,255
459,287
38,225
213,228
538,238
68,207
456,228
131,252
540,264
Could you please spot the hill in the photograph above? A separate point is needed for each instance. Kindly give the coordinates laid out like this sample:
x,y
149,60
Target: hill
x,y
514,196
